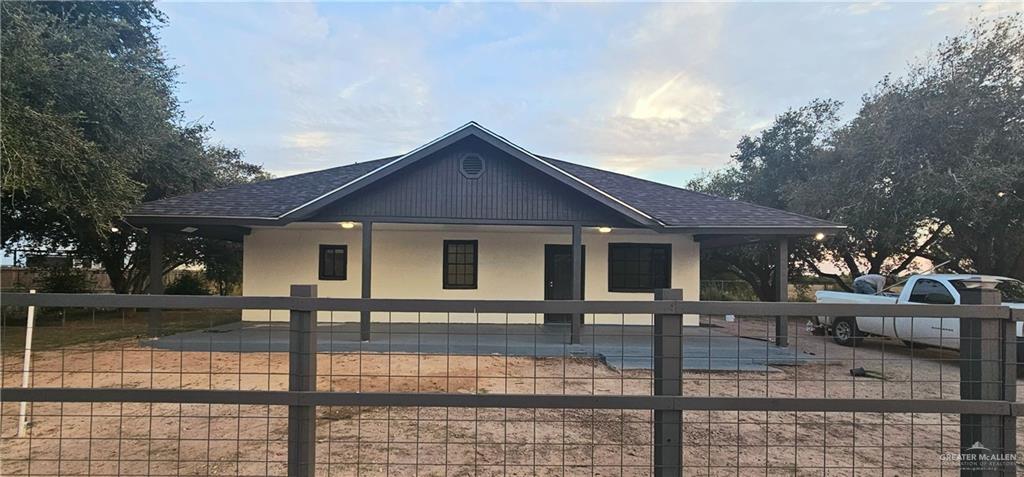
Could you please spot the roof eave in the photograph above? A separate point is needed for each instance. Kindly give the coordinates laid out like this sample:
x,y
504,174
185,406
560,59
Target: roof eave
x,y
145,220
776,230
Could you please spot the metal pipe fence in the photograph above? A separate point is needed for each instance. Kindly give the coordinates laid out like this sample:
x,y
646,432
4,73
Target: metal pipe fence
x,y
487,387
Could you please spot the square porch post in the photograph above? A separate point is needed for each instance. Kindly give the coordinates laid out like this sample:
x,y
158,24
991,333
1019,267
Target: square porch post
x,y
364,315
156,278
577,281
782,290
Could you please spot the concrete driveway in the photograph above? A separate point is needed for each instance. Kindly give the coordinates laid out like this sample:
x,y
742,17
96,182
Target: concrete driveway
x,y
628,346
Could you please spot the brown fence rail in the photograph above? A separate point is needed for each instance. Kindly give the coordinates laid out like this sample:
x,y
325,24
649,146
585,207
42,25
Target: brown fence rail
x,y
436,396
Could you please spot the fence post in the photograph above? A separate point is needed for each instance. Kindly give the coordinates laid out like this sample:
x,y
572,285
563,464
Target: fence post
x,y
302,377
782,291
156,279
668,369
988,357
26,369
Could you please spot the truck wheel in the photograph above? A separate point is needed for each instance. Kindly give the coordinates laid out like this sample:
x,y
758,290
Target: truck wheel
x,y
845,332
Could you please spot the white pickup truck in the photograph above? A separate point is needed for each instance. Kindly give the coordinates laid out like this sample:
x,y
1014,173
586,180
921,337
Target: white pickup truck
x,y
919,331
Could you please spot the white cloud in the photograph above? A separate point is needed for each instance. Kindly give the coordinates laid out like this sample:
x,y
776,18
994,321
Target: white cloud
x,y
649,89
308,140
863,8
679,98
651,165
966,11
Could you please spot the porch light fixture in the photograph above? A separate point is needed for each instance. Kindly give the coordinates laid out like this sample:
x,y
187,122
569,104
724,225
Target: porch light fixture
x,y
604,229
819,236
348,225
189,230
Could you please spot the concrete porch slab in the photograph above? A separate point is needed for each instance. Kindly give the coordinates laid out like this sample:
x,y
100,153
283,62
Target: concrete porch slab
x,y
620,346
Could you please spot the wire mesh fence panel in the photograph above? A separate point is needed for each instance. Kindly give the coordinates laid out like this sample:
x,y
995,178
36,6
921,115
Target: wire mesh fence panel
x,y
479,391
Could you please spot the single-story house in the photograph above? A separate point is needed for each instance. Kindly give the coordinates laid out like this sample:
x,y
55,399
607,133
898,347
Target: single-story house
x,y
469,215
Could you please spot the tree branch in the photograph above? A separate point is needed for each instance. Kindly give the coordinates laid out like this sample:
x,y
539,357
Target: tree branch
x,y
851,263
832,276
919,250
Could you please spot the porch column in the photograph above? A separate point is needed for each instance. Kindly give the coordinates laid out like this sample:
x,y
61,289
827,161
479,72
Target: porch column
x,y
577,281
364,315
782,287
156,278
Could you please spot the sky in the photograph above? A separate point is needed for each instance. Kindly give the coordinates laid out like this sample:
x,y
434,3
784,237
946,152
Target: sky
x,y
660,91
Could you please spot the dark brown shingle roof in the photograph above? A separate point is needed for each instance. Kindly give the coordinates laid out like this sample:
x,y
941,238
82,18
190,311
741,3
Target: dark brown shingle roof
x,y
266,199
677,207
672,206
283,200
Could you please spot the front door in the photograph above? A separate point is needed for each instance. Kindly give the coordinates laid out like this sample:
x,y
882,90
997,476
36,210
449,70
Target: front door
x,y
558,278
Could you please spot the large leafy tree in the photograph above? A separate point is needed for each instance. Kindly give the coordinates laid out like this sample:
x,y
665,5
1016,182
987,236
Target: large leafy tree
x,y
933,163
764,168
961,143
856,180
91,127
931,166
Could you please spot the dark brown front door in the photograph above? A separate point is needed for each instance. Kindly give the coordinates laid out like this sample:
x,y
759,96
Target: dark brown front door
x,y
558,278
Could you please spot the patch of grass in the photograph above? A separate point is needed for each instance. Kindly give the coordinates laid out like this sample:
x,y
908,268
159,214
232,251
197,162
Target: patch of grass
x,y
62,328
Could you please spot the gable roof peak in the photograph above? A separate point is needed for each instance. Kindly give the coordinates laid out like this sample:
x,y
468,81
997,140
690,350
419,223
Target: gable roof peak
x,y
646,203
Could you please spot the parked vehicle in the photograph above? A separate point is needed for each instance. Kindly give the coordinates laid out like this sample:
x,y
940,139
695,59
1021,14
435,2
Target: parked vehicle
x,y
937,289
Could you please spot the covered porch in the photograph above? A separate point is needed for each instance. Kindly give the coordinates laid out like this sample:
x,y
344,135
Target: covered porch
x,y
413,260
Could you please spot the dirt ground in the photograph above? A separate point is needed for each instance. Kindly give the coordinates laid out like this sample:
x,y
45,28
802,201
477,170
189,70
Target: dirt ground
x,y
172,439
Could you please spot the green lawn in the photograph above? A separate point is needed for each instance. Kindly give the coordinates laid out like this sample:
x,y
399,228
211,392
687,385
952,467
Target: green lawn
x,y
60,328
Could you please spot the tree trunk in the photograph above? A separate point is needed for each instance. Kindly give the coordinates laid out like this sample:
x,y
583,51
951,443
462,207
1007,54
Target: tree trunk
x,y
116,273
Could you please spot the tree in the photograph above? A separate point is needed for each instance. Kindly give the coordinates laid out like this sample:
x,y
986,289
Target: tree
x,y
91,128
961,143
854,181
222,264
931,166
764,169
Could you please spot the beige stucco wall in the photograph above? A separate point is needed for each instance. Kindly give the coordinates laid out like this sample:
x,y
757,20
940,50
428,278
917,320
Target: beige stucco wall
x,y
408,260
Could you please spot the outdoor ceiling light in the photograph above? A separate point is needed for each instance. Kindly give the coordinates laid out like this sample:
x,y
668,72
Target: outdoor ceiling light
x,y
348,225
189,230
819,236
604,229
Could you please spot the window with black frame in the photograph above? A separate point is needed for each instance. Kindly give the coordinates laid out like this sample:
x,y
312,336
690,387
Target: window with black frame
x,y
333,262
639,267
460,264
931,292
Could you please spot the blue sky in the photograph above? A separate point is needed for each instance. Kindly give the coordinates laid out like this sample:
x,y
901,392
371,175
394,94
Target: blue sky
x,y
662,91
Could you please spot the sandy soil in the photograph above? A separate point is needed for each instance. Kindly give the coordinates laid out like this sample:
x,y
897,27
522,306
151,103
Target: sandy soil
x,y
166,439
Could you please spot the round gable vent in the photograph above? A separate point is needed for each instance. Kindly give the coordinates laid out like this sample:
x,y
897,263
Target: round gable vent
x,y
471,166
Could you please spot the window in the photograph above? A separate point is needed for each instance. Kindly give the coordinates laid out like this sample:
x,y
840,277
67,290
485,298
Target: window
x,y
460,263
931,292
639,267
333,262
